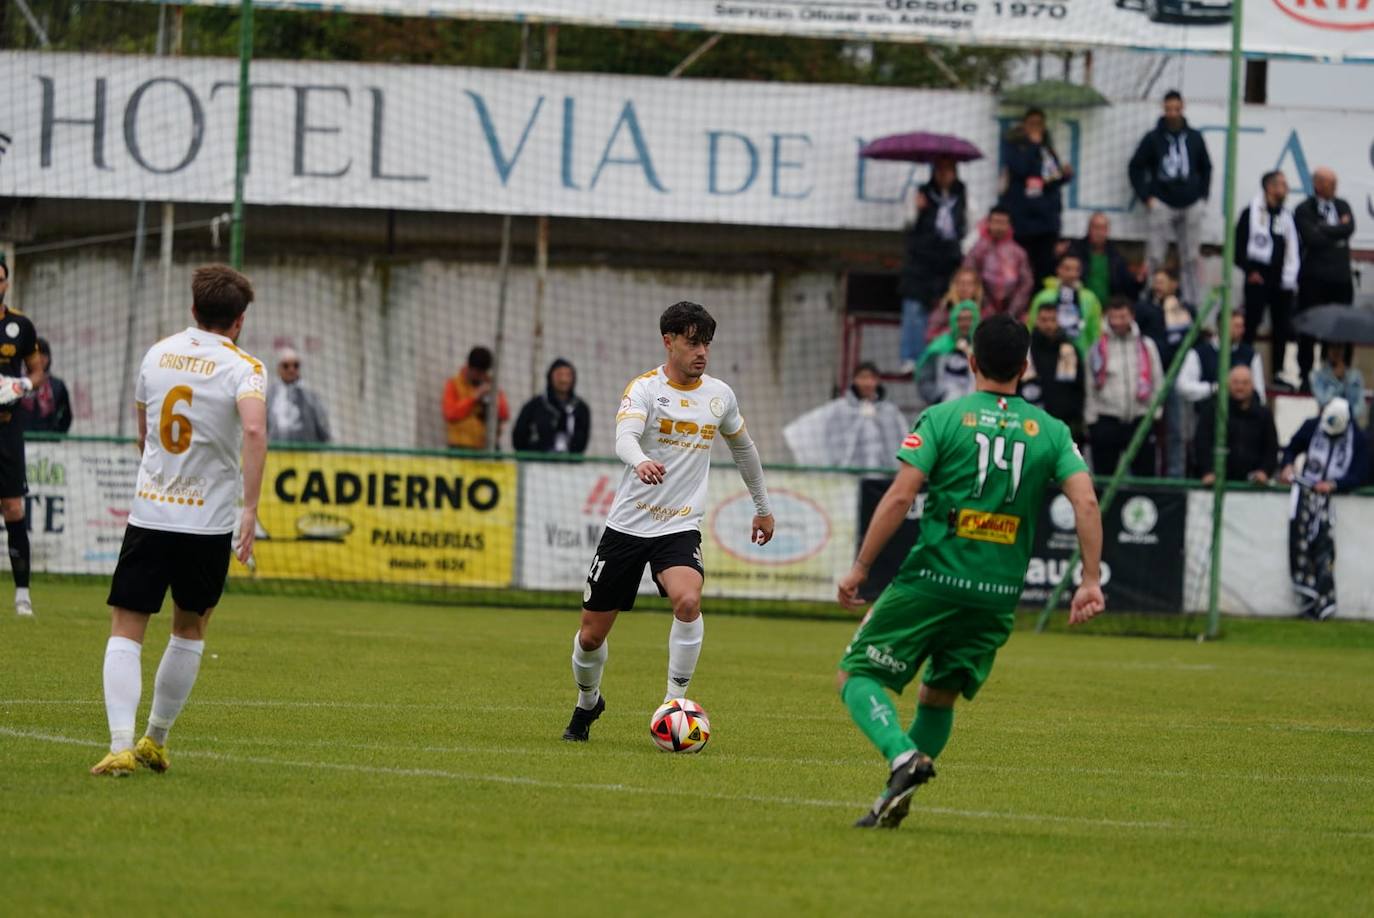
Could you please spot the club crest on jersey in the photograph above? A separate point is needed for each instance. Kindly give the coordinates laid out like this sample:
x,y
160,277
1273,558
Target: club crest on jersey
x,y
1031,427
913,441
718,407
12,329
1002,403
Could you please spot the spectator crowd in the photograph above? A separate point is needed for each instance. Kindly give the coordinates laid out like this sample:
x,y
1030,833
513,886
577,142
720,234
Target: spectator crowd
x,y
1105,329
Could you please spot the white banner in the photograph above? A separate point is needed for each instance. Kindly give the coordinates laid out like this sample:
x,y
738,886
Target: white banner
x,y
78,504
1286,28
1254,563
564,507
488,141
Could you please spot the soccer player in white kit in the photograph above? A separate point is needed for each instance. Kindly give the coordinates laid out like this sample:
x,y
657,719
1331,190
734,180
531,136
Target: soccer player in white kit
x,y
204,400
667,421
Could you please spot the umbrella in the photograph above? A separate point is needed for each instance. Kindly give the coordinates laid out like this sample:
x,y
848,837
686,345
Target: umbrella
x,y
921,147
1340,324
1054,94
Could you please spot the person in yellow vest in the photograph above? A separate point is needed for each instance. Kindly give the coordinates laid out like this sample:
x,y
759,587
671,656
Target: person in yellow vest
x,y
467,397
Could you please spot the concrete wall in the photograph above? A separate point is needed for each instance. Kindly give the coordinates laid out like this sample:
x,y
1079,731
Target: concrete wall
x,y
379,339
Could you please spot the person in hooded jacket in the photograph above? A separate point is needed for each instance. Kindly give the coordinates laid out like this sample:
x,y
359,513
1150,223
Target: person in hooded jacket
x,y
944,372
1171,173
860,429
556,421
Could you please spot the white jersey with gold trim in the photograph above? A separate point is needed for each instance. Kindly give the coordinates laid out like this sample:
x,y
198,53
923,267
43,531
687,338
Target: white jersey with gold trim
x,y
190,479
680,424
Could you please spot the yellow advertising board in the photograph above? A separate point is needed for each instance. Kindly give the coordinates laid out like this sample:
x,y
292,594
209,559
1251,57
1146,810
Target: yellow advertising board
x,y
372,517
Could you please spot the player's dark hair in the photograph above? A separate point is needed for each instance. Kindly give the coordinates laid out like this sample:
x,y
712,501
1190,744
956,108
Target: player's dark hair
x,y
219,295
999,209
691,320
1121,302
1032,112
1000,345
1269,177
481,358
867,366
1066,257
1172,95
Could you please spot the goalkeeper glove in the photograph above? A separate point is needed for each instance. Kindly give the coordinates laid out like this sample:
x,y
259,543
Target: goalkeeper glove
x,y
12,389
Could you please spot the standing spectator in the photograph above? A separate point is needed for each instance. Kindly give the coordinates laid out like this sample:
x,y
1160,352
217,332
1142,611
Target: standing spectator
x,y
1336,378
468,398
1200,374
944,372
1080,312
47,407
1032,180
1105,270
1267,251
964,286
556,421
1002,265
932,254
1325,225
1055,380
1337,460
1252,443
1125,374
1172,176
295,414
860,429
1166,320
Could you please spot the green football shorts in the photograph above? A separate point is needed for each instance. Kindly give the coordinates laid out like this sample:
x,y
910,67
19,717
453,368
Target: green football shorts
x,y
906,627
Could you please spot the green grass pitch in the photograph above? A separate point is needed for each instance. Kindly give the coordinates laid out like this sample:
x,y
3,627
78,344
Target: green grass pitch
x,y
381,758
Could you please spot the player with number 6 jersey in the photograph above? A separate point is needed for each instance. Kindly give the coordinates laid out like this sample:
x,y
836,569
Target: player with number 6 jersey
x,y
668,420
202,436
989,458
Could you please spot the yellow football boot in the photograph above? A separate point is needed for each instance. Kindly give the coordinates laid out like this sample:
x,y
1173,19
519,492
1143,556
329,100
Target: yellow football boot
x,y
116,764
151,755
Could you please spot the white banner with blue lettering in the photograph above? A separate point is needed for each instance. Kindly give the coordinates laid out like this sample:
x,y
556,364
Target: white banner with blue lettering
x,y
581,145
1333,29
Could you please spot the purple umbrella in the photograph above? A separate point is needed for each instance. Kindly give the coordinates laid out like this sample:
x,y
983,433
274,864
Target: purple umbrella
x,y
921,147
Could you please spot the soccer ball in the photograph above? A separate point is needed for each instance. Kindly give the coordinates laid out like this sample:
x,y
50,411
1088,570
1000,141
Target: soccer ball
x,y
680,725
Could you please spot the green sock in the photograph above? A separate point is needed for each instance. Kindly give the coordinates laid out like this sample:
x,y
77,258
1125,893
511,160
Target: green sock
x,y
874,714
931,730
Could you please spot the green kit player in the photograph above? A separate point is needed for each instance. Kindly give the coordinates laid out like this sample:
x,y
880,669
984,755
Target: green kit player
x,y
989,458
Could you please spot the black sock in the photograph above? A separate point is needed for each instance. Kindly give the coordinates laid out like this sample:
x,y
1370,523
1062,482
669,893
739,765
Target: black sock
x,y
19,551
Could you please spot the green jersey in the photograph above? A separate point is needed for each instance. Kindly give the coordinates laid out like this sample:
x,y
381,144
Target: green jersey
x,y
988,459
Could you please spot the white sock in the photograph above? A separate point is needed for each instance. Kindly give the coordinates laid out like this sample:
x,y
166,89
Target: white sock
x,y
21,593
684,647
902,759
587,667
123,688
176,674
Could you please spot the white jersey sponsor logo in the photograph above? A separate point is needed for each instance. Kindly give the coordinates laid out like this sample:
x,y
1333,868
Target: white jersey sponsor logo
x,y
680,424
189,386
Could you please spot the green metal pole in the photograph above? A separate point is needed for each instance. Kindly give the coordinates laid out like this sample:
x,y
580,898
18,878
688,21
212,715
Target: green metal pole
x,y
1228,207
1142,430
245,122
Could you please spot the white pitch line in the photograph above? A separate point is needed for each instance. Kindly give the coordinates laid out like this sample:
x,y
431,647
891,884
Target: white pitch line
x,y
521,781
587,786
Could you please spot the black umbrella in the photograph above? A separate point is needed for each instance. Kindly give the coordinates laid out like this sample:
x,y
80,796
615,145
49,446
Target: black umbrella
x,y
1339,324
